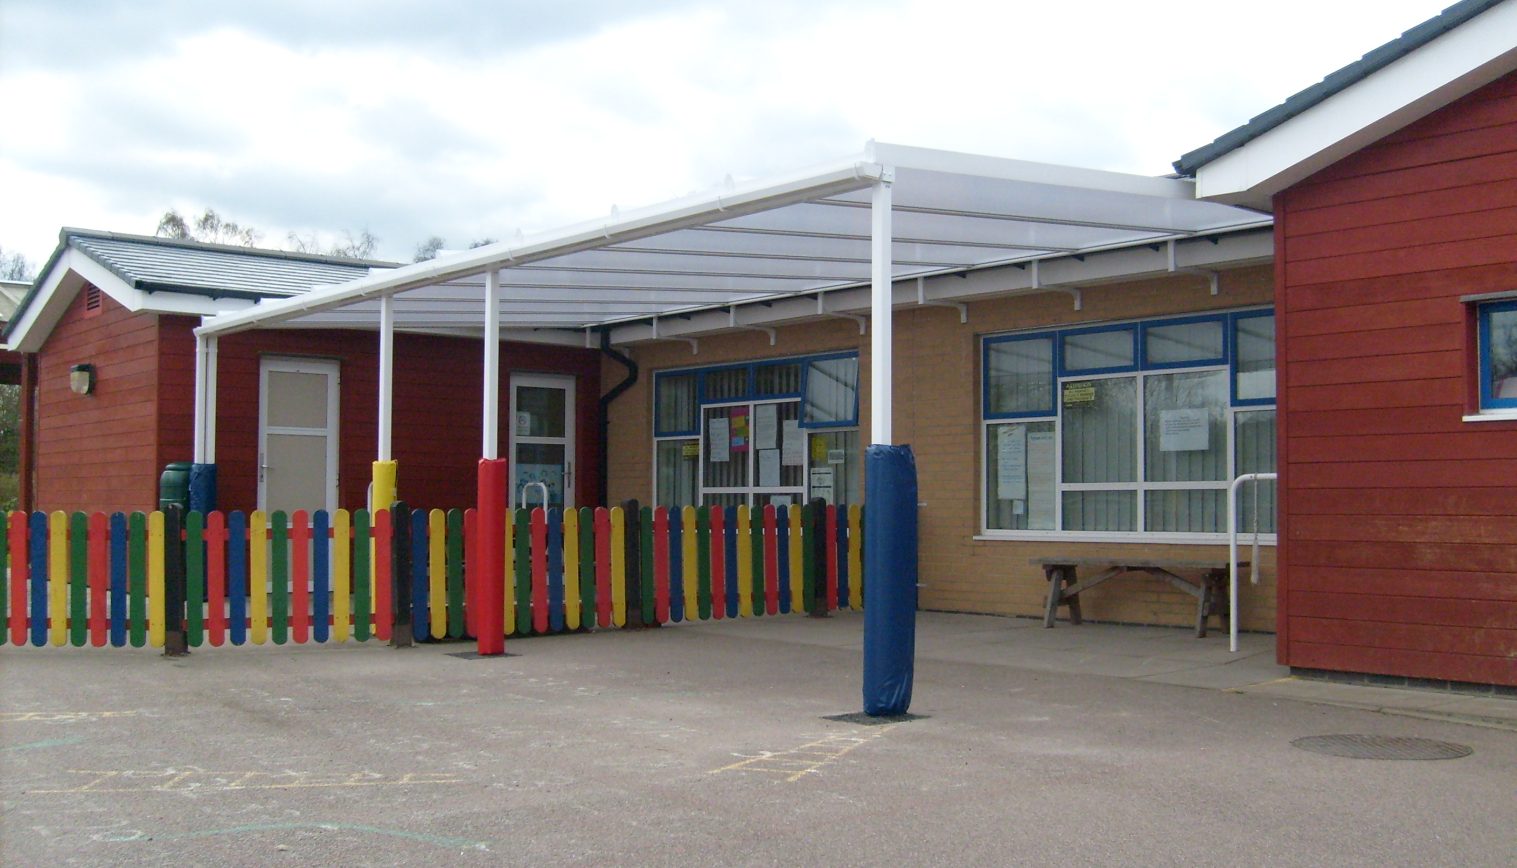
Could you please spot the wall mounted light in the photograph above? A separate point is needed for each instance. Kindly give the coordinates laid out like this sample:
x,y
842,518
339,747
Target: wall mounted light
x,y
81,379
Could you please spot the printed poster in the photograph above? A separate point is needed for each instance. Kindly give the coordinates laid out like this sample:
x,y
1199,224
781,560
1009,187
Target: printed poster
x,y
1011,463
1184,430
793,444
739,422
769,468
821,483
718,439
766,426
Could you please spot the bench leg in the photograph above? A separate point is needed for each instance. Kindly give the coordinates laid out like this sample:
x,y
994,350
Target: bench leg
x,y
1213,601
1058,579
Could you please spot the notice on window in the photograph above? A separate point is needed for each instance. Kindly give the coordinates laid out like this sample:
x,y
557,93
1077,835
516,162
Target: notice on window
x,y
718,438
1040,482
1184,430
523,423
793,444
821,483
1011,463
690,450
837,456
769,468
739,422
1081,394
766,426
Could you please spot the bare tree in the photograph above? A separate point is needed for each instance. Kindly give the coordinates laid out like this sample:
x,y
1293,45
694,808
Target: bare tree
x,y
13,266
360,246
481,242
209,227
428,249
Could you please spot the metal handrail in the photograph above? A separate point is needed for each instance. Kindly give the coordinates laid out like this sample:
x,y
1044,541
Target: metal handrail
x,y
522,494
1232,549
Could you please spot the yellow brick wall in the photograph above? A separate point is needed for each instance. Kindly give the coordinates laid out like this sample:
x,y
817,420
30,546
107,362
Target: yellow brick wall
x,y
937,398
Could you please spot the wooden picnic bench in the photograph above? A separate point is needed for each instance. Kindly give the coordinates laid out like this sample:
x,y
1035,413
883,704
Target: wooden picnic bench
x,y
1064,585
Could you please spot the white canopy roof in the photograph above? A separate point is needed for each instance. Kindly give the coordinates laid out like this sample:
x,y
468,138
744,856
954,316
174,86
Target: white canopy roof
x,y
805,235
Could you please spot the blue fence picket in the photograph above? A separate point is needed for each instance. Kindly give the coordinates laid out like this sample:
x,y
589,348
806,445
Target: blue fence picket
x,y
676,565
321,576
782,542
118,579
421,624
237,575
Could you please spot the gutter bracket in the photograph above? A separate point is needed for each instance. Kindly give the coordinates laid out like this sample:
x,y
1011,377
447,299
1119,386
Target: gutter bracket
x,y
695,346
732,323
821,310
1037,284
959,306
1212,277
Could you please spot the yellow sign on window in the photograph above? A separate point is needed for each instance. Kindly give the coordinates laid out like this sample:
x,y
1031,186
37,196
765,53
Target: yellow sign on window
x,y
1076,394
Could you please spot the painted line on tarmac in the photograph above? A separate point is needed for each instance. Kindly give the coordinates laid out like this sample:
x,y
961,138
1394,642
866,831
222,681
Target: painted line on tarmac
x,y
199,780
46,743
807,759
440,840
58,716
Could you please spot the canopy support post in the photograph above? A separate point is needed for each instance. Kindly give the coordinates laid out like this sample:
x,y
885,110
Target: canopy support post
x,y
486,581
382,484
202,494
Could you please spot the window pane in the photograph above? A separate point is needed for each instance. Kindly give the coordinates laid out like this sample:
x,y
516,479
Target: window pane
x,y
1100,510
1254,358
1100,435
1019,376
1185,427
775,380
726,385
1203,511
832,387
675,403
676,472
1088,351
1501,322
1256,454
836,467
726,461
770,425
1183,342
540,411
1019,476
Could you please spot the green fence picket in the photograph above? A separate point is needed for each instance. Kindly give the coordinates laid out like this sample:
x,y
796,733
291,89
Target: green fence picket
x,y
136,559
363,578
587,598
79,583
645,547
279,568
455,564
522,537
194,579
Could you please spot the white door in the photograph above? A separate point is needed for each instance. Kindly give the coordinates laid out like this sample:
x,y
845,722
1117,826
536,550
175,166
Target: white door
x,y
297,434
542,437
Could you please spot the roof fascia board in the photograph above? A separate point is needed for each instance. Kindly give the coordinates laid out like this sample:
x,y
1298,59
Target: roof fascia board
x,y
1001,168
1140,262
837,178
1449,67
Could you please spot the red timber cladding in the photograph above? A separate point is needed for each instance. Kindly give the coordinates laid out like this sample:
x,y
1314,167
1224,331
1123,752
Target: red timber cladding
x,y
98,451
1398,550
436,428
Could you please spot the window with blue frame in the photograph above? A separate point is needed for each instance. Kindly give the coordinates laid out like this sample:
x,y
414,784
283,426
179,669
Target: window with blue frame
x,y
1128,428
774,431
1498,356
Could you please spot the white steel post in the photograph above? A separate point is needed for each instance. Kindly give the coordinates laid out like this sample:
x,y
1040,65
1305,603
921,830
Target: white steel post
x,y
491,434
386,373
212,343
881,298
198,451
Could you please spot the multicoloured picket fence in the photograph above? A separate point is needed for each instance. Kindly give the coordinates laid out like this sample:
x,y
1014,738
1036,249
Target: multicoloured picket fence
x,y
91,579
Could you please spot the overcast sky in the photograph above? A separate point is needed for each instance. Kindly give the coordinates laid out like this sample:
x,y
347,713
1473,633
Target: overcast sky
x,y
471,119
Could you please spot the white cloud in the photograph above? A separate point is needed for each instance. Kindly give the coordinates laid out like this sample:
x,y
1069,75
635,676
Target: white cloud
x,y
469,124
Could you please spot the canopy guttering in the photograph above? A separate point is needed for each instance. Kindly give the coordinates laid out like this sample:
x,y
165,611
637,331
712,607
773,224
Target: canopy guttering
x,y
723,260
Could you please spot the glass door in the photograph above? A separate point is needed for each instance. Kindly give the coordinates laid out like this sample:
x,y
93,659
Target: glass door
x,y
542,439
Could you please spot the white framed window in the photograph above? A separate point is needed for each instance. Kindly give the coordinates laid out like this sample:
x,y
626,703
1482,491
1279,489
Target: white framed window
x,y
772,431
1127,431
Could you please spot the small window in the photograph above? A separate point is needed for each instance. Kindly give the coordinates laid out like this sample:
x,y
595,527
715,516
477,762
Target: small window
x,y
832,392
780,380
1498,356
674,404
1197,342
1019,377
725,384
1100,350
1254,359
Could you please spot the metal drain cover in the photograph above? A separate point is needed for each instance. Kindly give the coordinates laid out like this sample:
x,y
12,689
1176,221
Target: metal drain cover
x,y
1384,747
